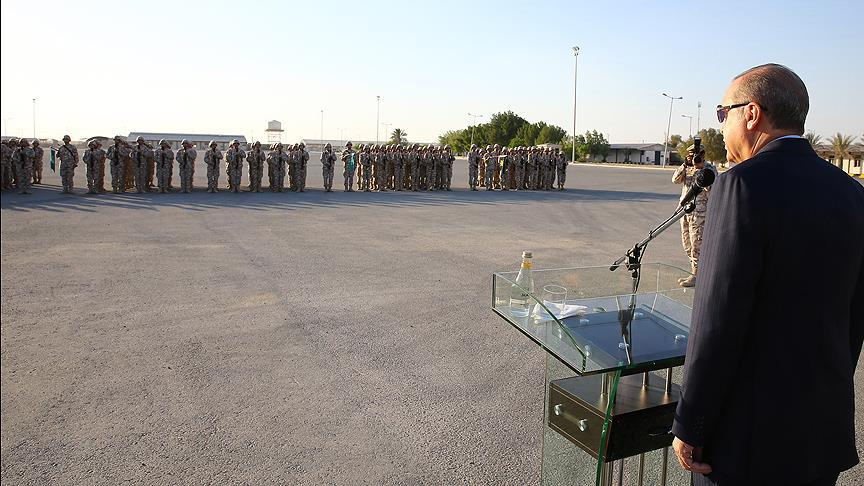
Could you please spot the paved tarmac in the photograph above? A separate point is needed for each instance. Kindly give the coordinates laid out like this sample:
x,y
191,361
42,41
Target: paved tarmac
x,y
316,338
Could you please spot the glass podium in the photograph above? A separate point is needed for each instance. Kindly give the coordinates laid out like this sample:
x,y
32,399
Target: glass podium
x,y
611,385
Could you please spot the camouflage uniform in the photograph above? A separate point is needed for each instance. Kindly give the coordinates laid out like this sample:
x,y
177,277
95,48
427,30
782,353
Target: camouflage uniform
x,y
141,155
398,168
276,161
447,160
7,164
23,157
415,167
366,163
302,162
68,161
117,155
164,166
186,162
328,160
291,155
693,223
90,163
561,166
504,161
473,155
234,157
349,163
255,159
491,162
212,157
432,170
98,155
37,162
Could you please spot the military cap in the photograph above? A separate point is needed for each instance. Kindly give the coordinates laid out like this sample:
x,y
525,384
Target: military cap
x,y
234,142
23,142
35,141
67,138
212,143
184,142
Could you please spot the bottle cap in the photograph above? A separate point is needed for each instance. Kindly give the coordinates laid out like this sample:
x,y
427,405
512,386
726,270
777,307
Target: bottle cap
x,y
527,254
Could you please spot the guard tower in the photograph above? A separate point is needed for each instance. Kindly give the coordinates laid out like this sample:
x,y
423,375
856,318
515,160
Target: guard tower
x,y
274,131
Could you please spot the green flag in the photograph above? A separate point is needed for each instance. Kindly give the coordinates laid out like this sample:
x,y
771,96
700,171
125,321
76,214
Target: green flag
x,y
52,159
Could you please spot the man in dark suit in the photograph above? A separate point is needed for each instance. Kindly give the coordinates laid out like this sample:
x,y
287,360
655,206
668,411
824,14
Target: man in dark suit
x,y
778,316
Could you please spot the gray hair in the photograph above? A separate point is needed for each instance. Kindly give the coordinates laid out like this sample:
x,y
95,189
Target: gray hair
x,y
780,93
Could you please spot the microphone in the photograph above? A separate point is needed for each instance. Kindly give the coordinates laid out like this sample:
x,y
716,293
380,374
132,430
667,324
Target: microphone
x,y
704,179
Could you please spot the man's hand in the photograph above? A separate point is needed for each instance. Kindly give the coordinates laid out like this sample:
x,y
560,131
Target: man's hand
x,y
689,457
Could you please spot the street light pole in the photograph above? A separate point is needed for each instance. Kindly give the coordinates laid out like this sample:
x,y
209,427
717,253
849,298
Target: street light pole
x,y
689,117
698,116
668,127
575,73
377,118
473,125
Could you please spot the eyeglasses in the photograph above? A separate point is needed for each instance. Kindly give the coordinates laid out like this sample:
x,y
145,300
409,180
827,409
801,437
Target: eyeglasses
x,y
723,111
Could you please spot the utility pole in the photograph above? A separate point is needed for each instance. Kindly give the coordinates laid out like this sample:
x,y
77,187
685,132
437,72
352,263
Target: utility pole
x,y
668,127
575,77
689,117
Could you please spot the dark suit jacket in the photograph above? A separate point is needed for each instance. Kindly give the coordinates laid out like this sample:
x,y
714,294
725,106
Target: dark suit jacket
x,y
778,320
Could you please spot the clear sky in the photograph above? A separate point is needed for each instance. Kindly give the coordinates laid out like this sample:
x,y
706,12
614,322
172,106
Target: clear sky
x,y
105,68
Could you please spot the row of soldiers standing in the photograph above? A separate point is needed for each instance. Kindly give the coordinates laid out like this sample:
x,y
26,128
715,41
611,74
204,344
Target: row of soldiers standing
x,y
517,168
21,164
391,167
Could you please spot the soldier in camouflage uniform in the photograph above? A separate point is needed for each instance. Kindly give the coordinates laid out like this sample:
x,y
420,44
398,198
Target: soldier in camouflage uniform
x,y
447,160
481,168
561,166
291,164
277,161
98,155
378,168
328,161
504,161
186,163
117,160
212,157
39,154
491,162
90,163
255,159
692,223
68,161
302,166
164,166
23,158
6,146
399,167
234,157
415,167
365,157
141,154
349,163
473,156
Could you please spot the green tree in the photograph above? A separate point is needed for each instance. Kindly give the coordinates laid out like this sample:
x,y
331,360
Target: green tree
x,y
595,144
715,147
398,136
550,134
502,128
841,144
682,146
813,138
675,141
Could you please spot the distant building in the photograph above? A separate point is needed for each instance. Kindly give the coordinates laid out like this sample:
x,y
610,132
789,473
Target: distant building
x,y
851,165
317,145
200,140
633,153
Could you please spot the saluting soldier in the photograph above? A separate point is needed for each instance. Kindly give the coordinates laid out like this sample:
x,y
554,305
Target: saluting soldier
x,y
255,159
276,162
99,165
234,157
164,166
141,155
68,162
328,160
212,157
117,161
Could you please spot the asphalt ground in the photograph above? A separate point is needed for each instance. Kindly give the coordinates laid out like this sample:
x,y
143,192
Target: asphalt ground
x,y
315,338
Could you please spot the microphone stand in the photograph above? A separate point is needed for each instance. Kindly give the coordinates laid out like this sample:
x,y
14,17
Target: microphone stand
x,y
634,264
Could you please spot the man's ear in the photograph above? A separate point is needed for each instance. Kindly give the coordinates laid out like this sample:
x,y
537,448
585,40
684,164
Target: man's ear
x,y
754,115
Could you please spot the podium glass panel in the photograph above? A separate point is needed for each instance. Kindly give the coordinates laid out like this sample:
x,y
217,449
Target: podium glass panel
x,y
605,408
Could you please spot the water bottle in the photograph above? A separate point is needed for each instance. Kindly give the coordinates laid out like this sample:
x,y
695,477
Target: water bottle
x,y
520,292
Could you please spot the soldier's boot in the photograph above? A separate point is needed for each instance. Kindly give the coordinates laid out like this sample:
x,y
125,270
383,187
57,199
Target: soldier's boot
x,y
690,280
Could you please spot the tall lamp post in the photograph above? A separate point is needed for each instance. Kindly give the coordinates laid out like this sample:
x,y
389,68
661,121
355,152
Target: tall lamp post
x,y
698,116
689,117
575,73
474,125
668,127
377,118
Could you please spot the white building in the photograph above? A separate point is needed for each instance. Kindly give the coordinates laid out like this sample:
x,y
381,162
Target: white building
x,y
633,153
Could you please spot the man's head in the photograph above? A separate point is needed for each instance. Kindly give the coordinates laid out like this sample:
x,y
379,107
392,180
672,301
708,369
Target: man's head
x,y
761,104
23,143
35,142
212,144
67,139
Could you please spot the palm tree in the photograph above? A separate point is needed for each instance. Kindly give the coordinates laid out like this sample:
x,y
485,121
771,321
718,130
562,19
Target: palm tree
x,y
841,144
398,136
813,138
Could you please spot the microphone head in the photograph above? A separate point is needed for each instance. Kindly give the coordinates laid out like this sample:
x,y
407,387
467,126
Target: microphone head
x,y
704,178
